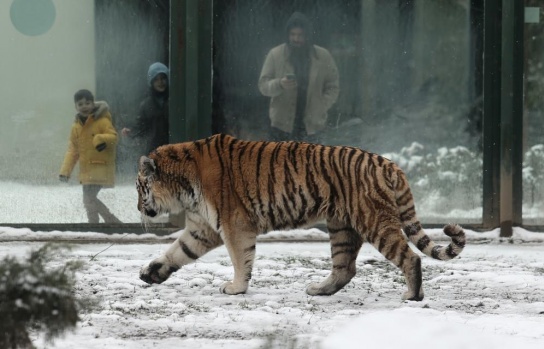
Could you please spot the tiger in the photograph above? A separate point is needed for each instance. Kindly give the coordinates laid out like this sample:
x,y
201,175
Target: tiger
x,y
233,190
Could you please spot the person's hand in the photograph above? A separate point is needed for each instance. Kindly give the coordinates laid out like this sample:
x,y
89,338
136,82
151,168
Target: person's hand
x,y
101,146
125,131
288,84
63,178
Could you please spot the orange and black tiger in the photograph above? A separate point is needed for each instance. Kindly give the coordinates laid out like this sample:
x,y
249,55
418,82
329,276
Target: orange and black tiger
x,y
233,190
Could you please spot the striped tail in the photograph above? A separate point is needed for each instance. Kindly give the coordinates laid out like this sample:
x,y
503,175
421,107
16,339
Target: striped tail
x,y
413,230
417,236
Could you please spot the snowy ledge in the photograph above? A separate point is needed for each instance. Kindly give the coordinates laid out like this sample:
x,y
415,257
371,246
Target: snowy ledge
x,y
7,234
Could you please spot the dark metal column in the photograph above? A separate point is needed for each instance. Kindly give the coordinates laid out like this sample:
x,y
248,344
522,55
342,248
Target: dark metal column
x,y
511,115
177,72
491,113
191,69
190,74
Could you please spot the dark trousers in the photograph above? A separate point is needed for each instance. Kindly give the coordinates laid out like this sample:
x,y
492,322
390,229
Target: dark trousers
x,y
95,207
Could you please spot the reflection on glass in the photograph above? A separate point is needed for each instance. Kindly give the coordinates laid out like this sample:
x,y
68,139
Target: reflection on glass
x,y
301,80
533,147
100,45
406,87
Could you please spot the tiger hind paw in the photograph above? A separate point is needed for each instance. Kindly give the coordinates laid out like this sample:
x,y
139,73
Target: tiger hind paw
x,y
231,288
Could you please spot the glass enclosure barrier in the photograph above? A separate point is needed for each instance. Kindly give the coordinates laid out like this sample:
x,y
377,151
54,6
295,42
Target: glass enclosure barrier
x,y
533,121
409,78
51,49
408,87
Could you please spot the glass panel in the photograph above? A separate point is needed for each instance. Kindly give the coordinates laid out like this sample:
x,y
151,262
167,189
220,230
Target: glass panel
x,y
50,50
533,123
408,87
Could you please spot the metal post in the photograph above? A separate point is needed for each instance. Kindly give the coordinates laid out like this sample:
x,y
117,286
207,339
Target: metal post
x,y
491,114
511,115
191,73
191,69
178,64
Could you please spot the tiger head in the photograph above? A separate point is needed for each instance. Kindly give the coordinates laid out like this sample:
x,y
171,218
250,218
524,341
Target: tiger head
x,y
163,185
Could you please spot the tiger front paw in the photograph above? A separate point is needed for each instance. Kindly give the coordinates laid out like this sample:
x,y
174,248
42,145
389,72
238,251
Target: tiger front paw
x,y
156,273
411,296
314,290
231,288
323,289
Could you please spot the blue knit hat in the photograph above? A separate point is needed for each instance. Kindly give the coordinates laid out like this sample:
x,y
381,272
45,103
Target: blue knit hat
x,y
156,69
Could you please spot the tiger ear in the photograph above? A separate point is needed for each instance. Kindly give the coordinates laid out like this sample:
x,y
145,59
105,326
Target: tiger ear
x,y
147,166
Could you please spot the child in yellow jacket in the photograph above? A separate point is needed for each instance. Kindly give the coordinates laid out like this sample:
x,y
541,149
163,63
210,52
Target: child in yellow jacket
x,y
92,142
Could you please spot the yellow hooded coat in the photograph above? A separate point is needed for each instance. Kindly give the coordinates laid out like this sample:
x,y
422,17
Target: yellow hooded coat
x,y
95,167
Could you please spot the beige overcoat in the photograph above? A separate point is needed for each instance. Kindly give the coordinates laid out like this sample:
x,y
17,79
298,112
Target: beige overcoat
x,y
323,88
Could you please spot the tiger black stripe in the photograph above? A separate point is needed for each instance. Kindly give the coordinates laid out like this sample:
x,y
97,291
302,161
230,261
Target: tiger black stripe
x,y
348,174
172,155
341,159
188,155
273,162
259,161
456,242
310,184
373,224
412,229
288,181
383,195
423,243
291,155
208,145
241,176
300,221
450,252
358,168
402,255
186,185
348,248
393,250
404,198
289,212
333,195
283,211
198,146
254,202
187,250
407,214
222,176
435,253
258,175
334,165
385,238
333,231
197,237
248,264
271,203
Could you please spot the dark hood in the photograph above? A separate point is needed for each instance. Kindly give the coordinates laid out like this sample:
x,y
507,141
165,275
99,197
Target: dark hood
x,y
299,20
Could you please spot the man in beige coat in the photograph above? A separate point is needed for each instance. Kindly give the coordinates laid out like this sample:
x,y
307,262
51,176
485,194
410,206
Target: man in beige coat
x,y
302,81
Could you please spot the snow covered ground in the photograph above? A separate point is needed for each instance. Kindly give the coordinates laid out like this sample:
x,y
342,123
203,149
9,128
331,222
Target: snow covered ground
x,y
490,297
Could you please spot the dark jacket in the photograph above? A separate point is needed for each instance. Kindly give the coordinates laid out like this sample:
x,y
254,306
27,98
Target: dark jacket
x,y
151,126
